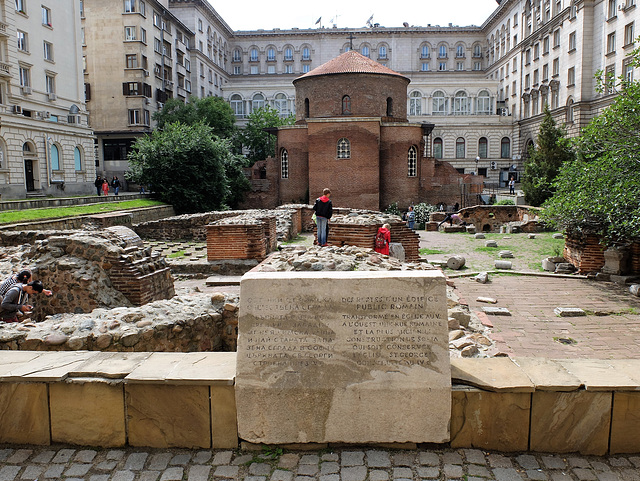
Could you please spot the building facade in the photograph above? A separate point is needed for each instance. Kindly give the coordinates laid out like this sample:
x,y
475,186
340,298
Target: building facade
x,y
46,144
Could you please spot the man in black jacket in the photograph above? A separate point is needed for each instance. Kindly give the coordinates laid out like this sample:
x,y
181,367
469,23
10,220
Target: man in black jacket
x,y
98,184
324,211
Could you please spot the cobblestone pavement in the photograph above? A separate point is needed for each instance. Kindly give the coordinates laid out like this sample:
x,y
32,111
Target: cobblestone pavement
x,y
365,464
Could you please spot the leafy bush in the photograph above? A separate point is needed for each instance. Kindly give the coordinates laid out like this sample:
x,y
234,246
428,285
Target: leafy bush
x,y
505,202
423,211
393,209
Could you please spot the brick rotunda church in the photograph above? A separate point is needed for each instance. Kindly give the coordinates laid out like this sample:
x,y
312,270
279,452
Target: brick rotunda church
x,y
352,136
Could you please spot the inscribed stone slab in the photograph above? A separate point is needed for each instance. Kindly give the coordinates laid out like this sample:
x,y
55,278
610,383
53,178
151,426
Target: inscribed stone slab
x,y
355,357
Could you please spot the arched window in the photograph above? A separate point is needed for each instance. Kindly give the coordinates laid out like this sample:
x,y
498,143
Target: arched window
x,y
253,55
477,51
271,54
344,148
483,147
281,104
459,148
284,164
442,51
460,103
460,51
412,162
505,148
77,157
306,53
483,106
439,103
346,105
288,53
237,105
382,52
306,108
365,51
26,147
424,51
415,103
570,110
55,157
237,55
257,102
389,107
437,148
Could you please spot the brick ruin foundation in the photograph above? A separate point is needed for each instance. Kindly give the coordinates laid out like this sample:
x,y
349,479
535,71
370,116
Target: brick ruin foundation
x,y
494,218
586,253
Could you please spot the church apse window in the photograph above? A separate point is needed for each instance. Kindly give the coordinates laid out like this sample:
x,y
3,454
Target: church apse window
x,y
284,164
389,107
306,108
346,105
344,148
412,161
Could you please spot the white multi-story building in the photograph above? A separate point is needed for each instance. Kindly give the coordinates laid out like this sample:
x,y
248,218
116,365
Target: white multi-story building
x,y
483,87
46,145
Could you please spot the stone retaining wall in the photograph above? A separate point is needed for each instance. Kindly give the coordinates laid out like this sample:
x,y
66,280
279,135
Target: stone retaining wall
x,y
501,404
145,214
187,324
491,218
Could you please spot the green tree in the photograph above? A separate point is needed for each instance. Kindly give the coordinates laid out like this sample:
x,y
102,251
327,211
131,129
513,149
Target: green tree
x,y
544,160
186,166
598,193
261,144
212,111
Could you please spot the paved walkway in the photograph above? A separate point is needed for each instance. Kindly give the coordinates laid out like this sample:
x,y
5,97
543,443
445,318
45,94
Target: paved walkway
x,y
69,463
610,330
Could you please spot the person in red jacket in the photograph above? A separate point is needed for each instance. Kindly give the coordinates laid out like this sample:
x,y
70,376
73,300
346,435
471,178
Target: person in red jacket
x,y
383,239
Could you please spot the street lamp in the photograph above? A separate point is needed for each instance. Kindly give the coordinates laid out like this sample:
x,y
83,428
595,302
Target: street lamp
x,y
477,160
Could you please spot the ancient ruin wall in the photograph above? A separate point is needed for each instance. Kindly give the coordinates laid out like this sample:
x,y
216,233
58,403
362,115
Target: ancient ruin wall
x,y
586,253
91,269
242,237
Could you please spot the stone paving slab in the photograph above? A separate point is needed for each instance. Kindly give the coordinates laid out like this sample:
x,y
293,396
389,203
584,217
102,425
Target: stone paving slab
x,y
329,464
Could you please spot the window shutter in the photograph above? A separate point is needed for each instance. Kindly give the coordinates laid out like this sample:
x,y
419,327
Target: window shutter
x,y
125,88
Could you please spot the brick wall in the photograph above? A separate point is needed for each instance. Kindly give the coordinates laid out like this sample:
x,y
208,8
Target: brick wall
x,y
368,92
243,239
363,235
395,183
294,188
490,218
586,253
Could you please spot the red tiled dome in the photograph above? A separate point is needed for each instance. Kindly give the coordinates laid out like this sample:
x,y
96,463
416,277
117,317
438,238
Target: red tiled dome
x,y
350,62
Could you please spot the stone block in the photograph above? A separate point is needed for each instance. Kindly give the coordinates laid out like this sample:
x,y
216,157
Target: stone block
x,y
625,423
600,375
569,312
471,229
318,365
89,414
206,368
635,289
564,422
164,416
503,264
479,420
24,413
548,265
493,374
479,235
558,235
396,250
456,262
548,375
491,243
506,254
496,311
224,423
482,277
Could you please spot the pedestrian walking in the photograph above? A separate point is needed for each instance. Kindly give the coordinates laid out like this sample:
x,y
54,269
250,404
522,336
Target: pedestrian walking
x,y
98,184
411,217
105,187
512,185
115,183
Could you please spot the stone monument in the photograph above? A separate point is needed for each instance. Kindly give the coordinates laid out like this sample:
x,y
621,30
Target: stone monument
x,y
344,357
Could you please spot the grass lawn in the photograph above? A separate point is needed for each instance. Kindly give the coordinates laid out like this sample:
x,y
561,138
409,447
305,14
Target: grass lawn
x,y
15,216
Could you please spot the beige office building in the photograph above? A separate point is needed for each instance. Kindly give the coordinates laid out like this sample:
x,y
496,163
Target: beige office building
x,y
46,145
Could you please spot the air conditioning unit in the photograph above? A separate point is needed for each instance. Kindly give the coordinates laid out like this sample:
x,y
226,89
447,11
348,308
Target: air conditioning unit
x,y
504,112
53,96
17,109
46,115
494,165
145,72
26,90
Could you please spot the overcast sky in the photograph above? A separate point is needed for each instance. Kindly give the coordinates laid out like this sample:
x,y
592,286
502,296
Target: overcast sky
x,y
285,14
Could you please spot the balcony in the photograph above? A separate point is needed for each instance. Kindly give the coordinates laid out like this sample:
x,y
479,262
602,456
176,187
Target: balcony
x,y
5,69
